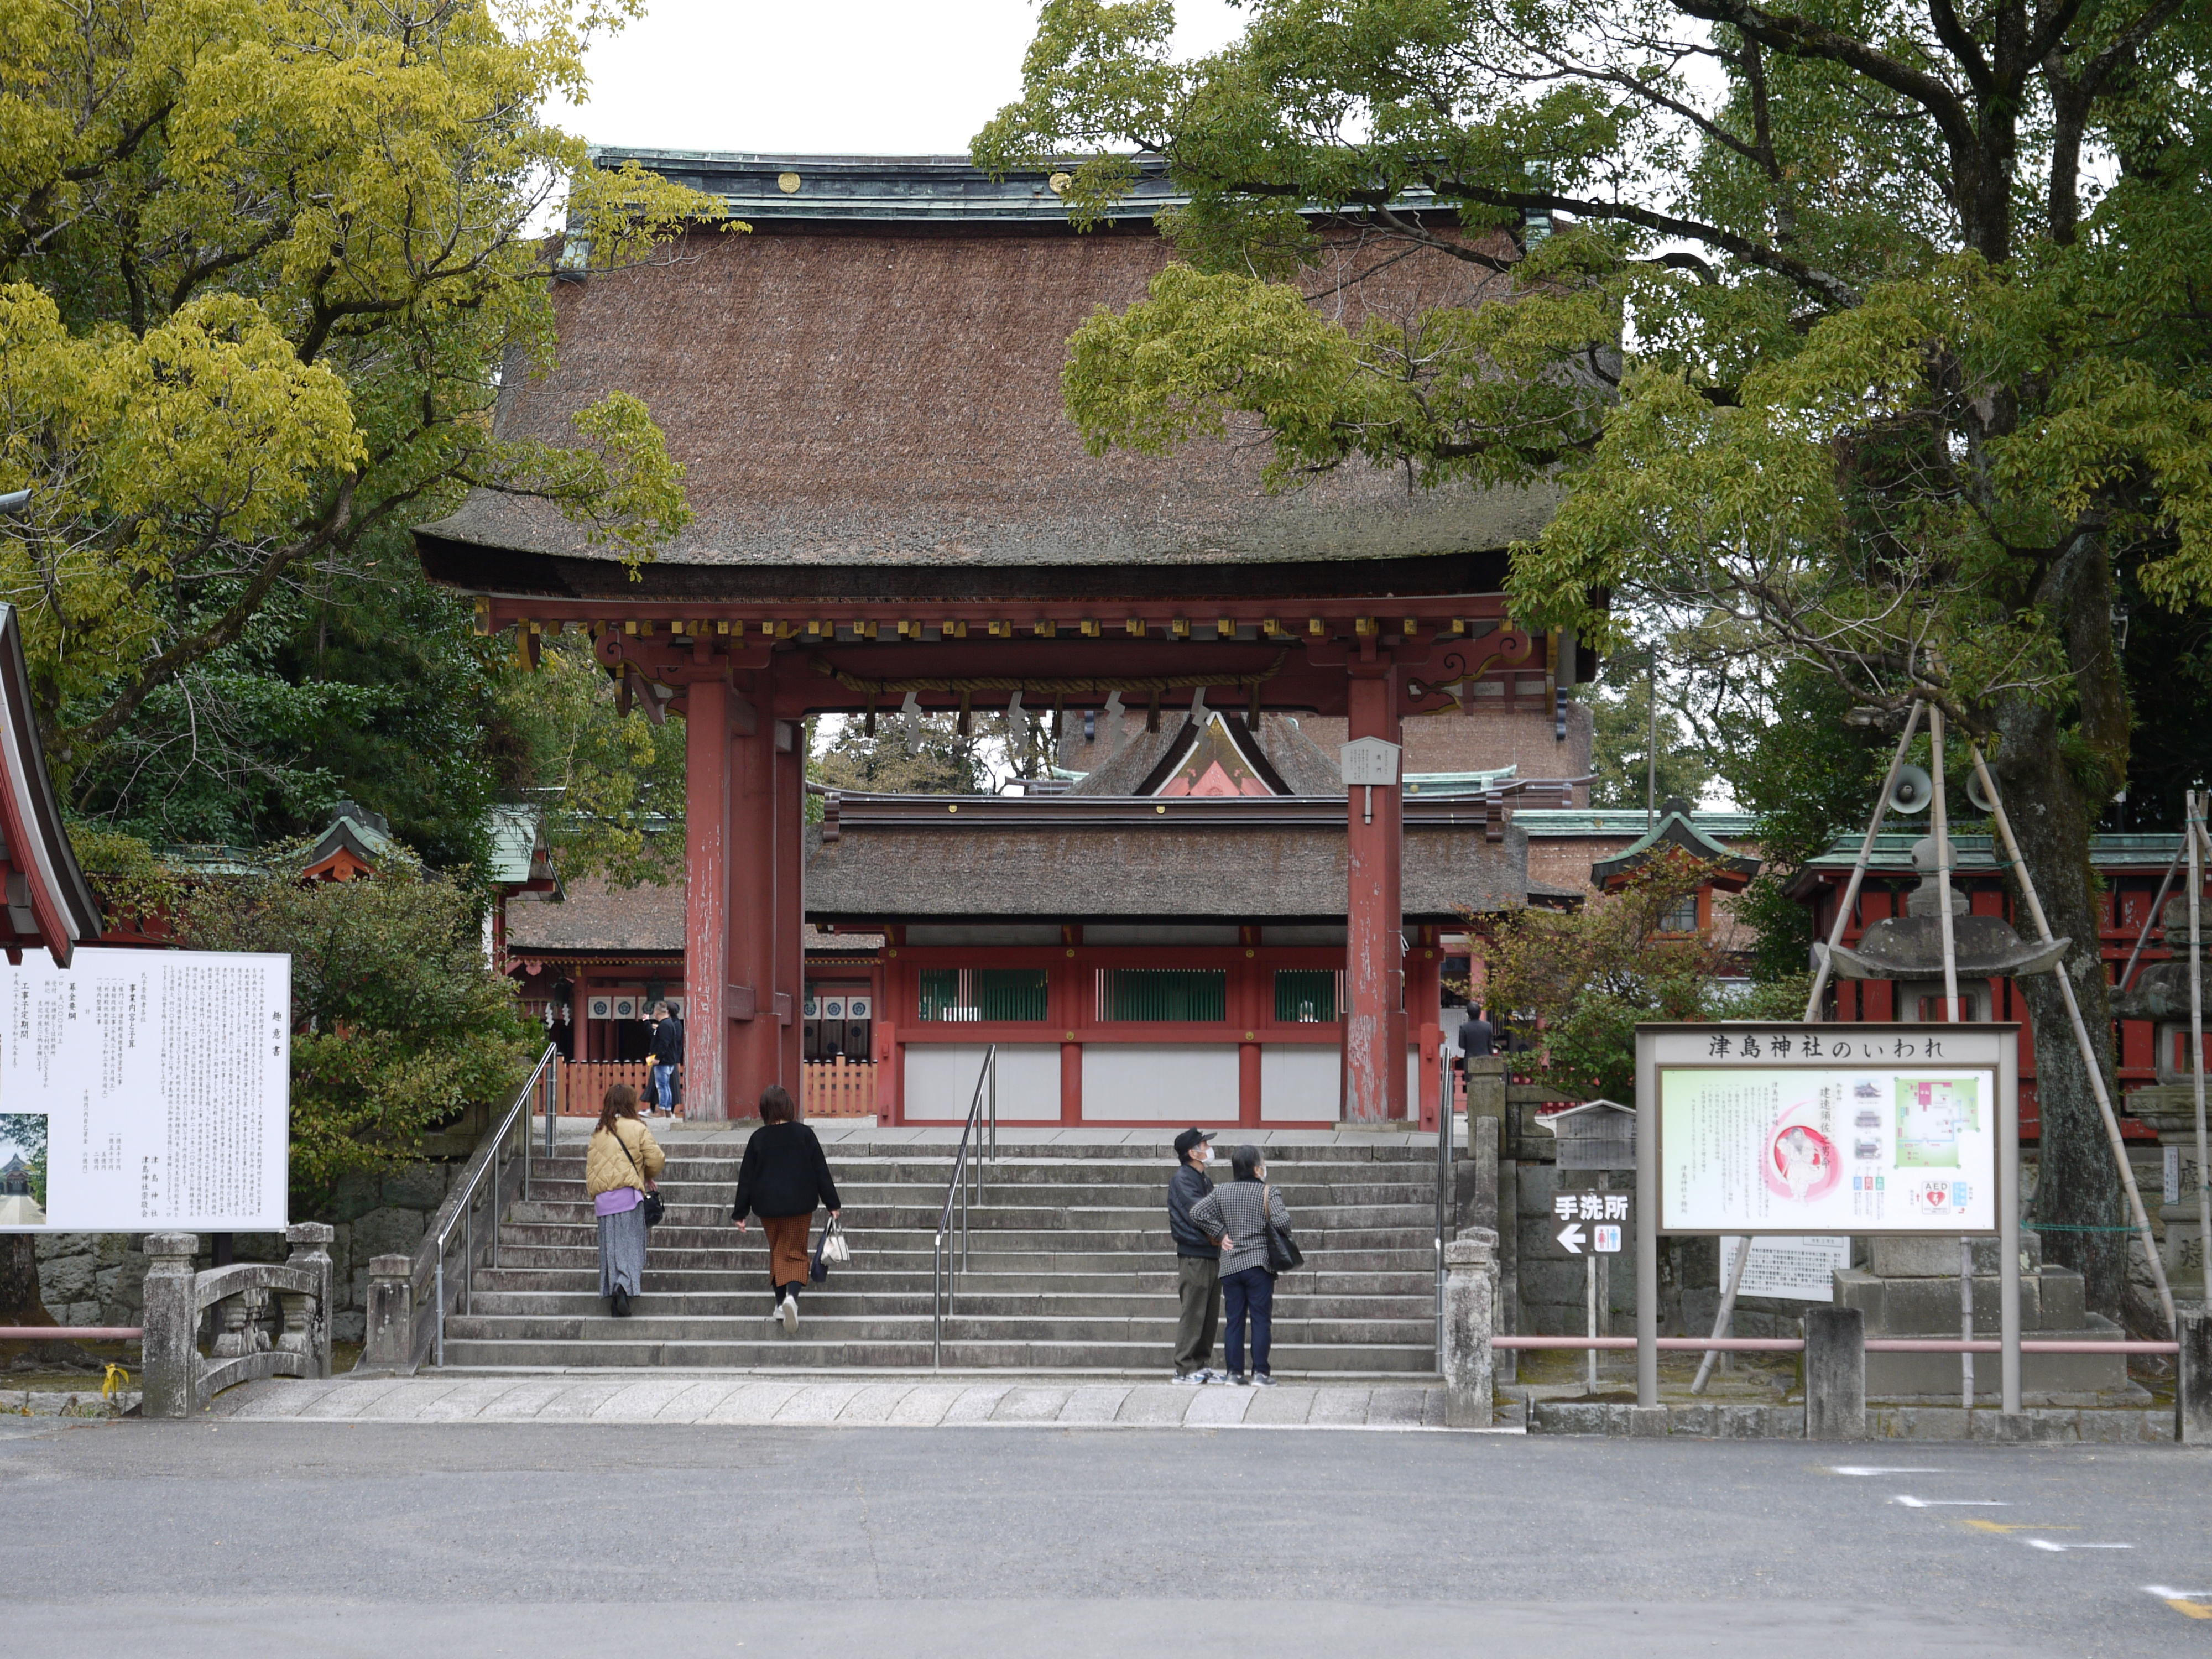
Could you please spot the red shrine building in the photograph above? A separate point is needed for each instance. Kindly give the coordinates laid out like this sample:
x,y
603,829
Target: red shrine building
x,y
893,511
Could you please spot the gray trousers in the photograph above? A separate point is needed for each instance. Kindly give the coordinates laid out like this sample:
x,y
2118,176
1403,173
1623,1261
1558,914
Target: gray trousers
x,y
1198,1287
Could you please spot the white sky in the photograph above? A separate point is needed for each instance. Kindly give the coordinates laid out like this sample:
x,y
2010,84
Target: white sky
x,y
869,77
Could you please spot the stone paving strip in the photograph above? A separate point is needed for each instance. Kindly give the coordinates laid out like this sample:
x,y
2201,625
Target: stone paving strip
x,y
843,1402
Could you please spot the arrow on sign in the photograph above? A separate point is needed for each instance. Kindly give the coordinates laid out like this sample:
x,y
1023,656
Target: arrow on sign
x,y
1570,1238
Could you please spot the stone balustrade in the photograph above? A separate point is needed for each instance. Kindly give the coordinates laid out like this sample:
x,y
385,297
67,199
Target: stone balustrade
x,y
269,1319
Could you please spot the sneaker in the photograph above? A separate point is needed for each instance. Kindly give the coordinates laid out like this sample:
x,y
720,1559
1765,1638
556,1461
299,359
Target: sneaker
x,y
1216,1376
1240,1379
1263,1381
1190,1379
621,1302
777,1312
790,1311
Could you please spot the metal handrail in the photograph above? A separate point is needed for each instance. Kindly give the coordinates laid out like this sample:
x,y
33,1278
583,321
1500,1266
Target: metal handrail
x,y
1444,1194
458,1211
943,1283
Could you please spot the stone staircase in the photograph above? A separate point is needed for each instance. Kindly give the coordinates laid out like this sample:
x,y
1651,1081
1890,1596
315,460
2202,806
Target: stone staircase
x,y
1071,1268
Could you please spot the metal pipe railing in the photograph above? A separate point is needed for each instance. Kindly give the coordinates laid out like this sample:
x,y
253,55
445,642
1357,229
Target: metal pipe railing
x,y
1796,1345
458,1212
943,1274
1443,1184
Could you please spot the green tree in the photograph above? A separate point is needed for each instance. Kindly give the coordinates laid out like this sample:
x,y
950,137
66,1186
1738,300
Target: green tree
x,y
947,764
262,266
1820,311
1586,977
1622,731
611,781
399,1024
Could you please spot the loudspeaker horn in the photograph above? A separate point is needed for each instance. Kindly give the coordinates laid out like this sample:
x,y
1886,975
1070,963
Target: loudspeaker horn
x,y
1915,790
1979,796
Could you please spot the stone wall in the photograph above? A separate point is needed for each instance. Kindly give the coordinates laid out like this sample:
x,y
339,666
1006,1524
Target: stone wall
x,y
98,1279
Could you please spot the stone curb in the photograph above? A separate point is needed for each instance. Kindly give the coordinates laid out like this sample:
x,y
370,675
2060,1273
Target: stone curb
x,y
56,1402
2049,1424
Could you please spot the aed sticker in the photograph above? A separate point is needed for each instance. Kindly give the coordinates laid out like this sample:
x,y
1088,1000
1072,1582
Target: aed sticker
x,y
1940,1197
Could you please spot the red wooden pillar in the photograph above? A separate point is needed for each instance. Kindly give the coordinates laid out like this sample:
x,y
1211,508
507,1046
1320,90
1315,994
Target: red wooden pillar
x,y
1375,1022
707,898
765,955
1423,975
789,947
1065,986
1251,984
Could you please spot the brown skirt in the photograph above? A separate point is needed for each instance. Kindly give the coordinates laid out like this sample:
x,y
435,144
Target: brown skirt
x,y
786,1247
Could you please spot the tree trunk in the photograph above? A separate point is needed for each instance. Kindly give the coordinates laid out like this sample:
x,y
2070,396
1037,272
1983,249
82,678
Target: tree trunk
x,y
19,1301
2056,767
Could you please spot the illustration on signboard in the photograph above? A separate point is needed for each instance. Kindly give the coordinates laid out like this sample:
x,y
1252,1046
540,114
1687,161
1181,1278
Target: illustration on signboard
x,y
1800,1160
22,1169
1931,1115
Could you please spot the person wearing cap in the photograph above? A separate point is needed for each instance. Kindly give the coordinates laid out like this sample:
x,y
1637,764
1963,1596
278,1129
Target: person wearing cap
x,y
1198,1261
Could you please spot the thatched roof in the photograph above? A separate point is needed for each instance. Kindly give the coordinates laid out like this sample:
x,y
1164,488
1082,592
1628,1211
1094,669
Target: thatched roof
x,y
879,392
1295,758
1244,860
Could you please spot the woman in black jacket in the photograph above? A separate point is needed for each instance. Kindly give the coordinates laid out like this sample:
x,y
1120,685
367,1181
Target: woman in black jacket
x,y
783,1177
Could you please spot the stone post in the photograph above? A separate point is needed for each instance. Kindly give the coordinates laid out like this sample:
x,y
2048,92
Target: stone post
x,y
1470,1283
2192,1381
1485,1085
388,1344
171,1346
307,1318
1835,1374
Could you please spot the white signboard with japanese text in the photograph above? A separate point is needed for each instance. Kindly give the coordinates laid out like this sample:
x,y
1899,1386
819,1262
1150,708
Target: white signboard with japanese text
x,y
145,1091
1791,1269
1828,1129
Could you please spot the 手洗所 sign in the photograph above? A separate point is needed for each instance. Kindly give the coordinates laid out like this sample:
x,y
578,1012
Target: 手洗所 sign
x,y
144,1090
1803,1129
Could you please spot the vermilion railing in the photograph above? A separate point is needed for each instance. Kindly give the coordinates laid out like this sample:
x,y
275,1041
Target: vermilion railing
x,y
838,1087
585,1083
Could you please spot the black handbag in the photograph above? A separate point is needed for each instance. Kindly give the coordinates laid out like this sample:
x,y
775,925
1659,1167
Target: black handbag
x,y
1283,1255
654,1206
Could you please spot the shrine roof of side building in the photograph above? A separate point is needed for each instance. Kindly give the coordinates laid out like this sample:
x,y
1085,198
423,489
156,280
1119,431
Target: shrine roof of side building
x,y
865,392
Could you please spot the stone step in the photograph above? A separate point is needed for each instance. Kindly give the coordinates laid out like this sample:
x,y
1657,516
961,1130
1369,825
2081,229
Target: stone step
x,y
1114,1195
1157,1330
861,1219
714,1251
582,1277
680,1232
810,1351
938,1154
751,1302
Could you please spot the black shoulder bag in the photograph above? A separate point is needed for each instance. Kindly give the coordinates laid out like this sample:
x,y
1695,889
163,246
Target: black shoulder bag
x,y
654,1206
1283,1255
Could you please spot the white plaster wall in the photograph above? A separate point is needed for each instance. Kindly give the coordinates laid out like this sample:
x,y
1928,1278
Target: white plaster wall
x,y
1168,1082
940,1081
1301,1082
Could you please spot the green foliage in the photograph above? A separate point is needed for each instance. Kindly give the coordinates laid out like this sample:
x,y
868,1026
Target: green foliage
x,y
1589,976
262,266
1811,779
1620,744
132,884
24,1134
399,1024
611,782
947,764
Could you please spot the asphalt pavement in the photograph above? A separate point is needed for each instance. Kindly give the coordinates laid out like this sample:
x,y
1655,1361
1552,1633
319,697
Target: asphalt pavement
x,y
246,1538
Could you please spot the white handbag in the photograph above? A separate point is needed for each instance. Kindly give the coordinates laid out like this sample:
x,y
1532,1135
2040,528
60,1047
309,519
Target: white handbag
x,y
836,1251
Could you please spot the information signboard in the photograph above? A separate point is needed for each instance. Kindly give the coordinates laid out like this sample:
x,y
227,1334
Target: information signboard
x,y
144,1090
1800,1269
1852,1130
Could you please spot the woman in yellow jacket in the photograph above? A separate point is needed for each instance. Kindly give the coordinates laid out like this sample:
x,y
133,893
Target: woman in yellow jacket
x,y
620,1165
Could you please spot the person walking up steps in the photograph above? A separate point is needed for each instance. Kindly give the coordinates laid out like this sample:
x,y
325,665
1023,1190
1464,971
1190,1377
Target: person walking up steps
x,y
783,1176
621,1164
1236,1218
1198,1261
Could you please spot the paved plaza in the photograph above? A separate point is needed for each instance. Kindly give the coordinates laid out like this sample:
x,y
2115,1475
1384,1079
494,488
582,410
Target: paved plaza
x,y
239,1537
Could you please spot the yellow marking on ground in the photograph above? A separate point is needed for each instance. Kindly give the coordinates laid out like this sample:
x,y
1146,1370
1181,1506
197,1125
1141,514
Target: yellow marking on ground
x,y
2014,1526
2189,1609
